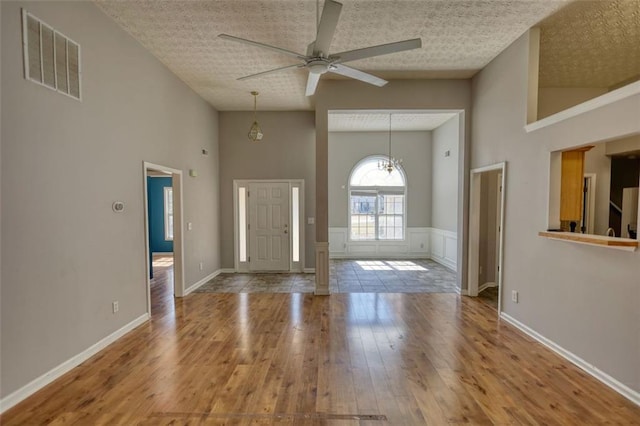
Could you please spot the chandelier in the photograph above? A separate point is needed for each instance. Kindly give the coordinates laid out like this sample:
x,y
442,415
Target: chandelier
x,y
255,132
390,163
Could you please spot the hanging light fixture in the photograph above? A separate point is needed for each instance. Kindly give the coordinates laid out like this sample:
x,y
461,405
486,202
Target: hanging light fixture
x,y
390,163
255,132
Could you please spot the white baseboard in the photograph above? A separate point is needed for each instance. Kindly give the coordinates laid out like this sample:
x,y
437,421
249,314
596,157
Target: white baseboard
x,y
444,262
309,271
51,375
378,256
162,253
463,291
486,286
621,388
227,271
203,281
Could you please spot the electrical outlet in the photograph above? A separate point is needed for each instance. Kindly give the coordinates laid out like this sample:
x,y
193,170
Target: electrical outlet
x,y
115,306
189,226
201,266
514,296
480,270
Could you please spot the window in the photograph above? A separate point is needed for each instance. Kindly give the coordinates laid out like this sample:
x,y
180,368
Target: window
x,y
376,202
50,58
168,213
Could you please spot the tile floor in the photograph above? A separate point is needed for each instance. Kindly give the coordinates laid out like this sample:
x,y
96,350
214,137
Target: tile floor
x,y
346,276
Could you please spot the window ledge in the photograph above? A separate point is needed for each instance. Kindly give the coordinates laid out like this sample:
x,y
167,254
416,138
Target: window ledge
x,y
626,244
590,105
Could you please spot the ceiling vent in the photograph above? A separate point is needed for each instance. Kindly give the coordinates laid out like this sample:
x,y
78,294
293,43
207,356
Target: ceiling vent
x,y
50,58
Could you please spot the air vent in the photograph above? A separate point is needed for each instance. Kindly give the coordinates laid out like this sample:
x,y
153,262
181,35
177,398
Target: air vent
x,y
50,58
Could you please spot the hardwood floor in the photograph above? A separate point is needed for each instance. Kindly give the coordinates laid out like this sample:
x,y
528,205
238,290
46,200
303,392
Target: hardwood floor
x,y
396,359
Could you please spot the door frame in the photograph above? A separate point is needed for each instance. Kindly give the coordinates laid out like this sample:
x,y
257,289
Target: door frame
x,y
178,235
473,265
293,183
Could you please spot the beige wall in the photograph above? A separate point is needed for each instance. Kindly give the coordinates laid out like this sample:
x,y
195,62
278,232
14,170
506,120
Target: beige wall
x,y
444,208
556,99
65,254
286,152
414,148
583,298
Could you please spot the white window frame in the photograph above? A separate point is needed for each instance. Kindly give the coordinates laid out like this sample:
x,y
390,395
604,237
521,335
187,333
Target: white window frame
x,y
168,213
25,54
377,190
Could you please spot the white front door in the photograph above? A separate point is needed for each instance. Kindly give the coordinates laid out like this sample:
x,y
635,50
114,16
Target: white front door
x,y
269,226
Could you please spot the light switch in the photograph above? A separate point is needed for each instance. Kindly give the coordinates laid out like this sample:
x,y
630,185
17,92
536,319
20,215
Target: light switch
x,y
311,220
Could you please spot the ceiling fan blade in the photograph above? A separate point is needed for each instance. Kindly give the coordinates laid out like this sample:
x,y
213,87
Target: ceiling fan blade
x,y
381,49
262,45
357,74
312,83
327,27
288,67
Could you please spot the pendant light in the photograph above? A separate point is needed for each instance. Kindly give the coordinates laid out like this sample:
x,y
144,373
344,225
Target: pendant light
x,y
255,132
390,163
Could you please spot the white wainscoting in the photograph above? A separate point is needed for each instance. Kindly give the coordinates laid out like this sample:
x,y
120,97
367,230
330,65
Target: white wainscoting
x,y
421,243
444,247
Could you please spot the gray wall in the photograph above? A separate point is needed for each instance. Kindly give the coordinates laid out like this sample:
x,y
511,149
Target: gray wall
x,y
63,164
286,152
414,148
444,210
584,298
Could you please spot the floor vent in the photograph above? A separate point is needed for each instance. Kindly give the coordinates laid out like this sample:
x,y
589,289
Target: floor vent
x,y
51,59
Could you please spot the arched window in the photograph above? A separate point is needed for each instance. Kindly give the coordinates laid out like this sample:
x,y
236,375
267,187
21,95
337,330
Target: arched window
x,y
376,202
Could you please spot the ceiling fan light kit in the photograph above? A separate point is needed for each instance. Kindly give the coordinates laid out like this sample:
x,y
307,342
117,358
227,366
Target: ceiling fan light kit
x,y
318,61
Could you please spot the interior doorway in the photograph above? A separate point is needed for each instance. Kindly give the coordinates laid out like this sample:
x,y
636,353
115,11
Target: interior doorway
x,y
164,257
486,229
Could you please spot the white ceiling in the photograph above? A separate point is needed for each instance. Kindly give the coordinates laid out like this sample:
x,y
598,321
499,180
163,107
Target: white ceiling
x,y
459,37
379,121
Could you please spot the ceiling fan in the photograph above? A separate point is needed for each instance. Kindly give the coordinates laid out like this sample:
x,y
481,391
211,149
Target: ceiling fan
x,y
318,60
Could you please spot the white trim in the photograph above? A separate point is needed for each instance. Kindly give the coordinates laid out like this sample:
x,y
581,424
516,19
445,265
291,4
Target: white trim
x,y
309,271
463,292
162,253
590,105
592,370
441,243
68,365
227,271
203,281
486,286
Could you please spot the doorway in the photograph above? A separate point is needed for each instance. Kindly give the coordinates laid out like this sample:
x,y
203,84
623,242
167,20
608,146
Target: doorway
x,y
163,233
269,226
486,229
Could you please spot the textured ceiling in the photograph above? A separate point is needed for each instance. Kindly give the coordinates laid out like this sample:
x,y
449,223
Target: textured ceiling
x,y
459,37
379,121
591,44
